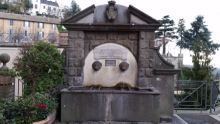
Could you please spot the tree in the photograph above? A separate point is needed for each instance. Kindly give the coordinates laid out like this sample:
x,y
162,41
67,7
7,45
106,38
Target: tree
x,y
198,30
202,70
73,9
28,4
40,67
165,33
180,31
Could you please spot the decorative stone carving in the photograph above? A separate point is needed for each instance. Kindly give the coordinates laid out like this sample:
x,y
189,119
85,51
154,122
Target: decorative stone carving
x,y
97,65
4,58
111,11
110,52
124,66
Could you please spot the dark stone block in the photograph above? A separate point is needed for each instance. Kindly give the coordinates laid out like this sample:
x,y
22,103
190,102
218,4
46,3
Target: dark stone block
x,y
143,63
72,71
143,82
141,72
90,35
77,81
151,63
77,62
143,44
122,36
166,119
149,72
142,35
133,36
71,62
112,36
100,36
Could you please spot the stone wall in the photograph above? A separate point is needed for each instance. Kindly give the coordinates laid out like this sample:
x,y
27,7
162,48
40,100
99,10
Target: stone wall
x,y
141,45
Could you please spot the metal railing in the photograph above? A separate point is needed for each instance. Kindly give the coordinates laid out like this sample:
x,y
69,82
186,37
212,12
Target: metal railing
x,y
196,95
18,87
18,39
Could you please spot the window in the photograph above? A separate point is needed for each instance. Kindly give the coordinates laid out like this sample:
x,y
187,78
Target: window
x,y
40,25
10,31
26,23
11,22
53,26
49,8
44,7
35,6
25,32
54,9
40,35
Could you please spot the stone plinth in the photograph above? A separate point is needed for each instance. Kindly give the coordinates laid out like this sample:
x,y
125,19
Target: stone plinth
x,y
109,105
6,87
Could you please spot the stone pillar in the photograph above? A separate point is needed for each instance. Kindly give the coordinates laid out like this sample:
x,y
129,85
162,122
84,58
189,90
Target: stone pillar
x,y
6,87
145,58
75,55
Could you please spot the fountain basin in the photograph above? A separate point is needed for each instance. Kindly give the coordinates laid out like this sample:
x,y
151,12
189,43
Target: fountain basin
x,y
109,105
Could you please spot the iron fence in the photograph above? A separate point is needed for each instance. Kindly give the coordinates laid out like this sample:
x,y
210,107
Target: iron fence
x,y
18,39
196,95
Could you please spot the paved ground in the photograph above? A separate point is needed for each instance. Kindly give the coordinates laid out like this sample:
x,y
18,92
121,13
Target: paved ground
x,y
190,117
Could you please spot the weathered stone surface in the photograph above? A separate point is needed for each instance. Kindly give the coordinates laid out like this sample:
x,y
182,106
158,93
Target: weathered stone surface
x,y
150,36
141,72
143,54
81,34
133,36
77,62
72,71
76,53
79,44
122,36
143,63
112,36
151,43
90,35
127,44
166,119
143,82
142,35
100,36
121,42
70,81
143,44
106,105
151,63
72,35
149,72
77,81
79,71
72,53
71,43
71,62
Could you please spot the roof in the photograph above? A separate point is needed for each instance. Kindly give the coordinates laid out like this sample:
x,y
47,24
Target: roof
x,y
50,3
22,17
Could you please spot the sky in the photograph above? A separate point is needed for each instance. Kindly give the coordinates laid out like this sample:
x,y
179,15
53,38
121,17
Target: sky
x,y
176,9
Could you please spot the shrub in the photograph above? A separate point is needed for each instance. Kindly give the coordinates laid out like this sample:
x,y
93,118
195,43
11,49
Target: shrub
x,y
22,111
40,67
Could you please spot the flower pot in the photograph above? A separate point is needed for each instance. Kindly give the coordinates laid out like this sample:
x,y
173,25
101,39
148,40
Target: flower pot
x,y
48,120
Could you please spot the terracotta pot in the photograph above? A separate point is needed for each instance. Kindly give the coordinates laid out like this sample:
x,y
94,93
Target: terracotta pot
x,y
48,120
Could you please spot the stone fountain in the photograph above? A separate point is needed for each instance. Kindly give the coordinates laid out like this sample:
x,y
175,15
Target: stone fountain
x,y
114,72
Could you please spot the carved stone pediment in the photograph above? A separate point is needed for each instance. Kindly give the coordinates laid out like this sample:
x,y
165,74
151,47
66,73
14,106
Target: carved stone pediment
x,y
111,11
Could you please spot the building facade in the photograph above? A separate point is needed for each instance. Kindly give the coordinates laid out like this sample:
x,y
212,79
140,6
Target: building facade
x,y
23,28
46,7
